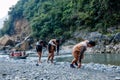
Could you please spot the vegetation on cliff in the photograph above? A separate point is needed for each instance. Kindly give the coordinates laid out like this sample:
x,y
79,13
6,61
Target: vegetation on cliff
x,y
60,18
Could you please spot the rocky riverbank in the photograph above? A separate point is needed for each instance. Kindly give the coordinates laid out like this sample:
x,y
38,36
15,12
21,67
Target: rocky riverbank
x,y
27,70
109,43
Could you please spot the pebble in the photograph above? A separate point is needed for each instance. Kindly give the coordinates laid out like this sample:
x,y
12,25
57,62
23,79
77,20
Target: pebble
x,y
58,71
117,78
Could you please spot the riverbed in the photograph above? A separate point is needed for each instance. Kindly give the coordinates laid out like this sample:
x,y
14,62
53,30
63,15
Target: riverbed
x,y
94,67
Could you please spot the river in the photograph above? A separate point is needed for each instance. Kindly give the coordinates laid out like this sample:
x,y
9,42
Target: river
x,y
112,59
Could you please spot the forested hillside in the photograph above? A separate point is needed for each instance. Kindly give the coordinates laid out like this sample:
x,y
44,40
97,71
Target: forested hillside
x,y
60,18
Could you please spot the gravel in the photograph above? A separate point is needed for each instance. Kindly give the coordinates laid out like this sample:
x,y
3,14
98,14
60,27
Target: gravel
x,y
27,70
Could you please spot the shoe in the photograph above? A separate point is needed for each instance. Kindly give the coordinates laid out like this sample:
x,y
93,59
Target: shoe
x,y
72,66
76,63
37,64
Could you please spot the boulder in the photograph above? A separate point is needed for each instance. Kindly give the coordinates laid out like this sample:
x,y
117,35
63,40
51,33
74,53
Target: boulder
x,y
6,40
25,44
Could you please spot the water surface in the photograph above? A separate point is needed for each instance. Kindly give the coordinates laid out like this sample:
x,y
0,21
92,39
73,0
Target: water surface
x,y
113,59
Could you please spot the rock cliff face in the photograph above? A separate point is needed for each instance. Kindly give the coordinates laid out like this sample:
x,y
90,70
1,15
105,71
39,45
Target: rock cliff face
x,y
22,29
104,43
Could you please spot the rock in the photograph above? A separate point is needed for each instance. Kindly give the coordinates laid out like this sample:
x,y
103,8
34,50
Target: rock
x,y
6,40
117,37
24,45
117,78
4,75
105,43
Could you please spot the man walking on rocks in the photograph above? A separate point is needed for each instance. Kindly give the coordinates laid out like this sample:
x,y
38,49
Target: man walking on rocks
x,y
39,46
78,52
53,45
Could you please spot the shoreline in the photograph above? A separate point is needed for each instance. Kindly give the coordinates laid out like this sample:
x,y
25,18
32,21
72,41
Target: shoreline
x,y
107,59
11,69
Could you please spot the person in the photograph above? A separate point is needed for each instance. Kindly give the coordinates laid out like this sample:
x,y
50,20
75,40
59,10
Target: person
x,y
53,45
39,46
78,52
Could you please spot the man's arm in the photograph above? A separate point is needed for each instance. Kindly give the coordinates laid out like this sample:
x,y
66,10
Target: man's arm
x,y
83,49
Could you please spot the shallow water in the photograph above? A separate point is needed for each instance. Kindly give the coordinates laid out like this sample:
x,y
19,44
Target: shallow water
x,y
112,59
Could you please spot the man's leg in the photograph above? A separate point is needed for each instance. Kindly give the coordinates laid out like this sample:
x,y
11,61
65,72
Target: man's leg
x,y
40,54
52,56
49,56
75,60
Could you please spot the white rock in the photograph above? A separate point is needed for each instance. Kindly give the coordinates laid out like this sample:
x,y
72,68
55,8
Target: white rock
x,y
117,78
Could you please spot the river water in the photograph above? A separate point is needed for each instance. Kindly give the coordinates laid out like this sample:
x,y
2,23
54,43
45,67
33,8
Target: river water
x,y
112,59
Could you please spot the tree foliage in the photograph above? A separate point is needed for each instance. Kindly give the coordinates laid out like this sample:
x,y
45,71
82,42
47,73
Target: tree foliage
x,y
60,18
